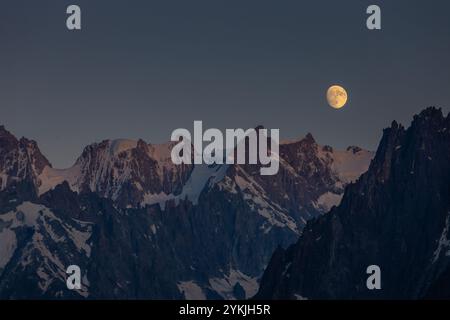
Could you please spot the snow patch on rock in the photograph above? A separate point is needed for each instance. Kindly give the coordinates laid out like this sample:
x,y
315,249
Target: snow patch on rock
x,y
224,286
191,290
444,242
327,200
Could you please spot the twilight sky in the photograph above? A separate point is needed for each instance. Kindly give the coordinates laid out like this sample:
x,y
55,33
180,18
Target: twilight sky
x,y
142,68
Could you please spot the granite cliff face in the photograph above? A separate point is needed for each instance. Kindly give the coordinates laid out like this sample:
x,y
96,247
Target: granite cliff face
x,y
396,216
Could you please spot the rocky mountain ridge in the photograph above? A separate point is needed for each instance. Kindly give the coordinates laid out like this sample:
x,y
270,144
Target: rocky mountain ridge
x,y
396,216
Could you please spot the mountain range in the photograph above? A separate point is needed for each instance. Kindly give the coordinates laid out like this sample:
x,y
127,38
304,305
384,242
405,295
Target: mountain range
x,y
139,226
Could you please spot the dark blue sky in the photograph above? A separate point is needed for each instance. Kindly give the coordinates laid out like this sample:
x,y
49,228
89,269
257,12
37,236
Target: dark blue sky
x,y
140,69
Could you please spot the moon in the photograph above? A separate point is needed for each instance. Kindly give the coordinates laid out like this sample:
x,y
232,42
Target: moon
x,y
336,96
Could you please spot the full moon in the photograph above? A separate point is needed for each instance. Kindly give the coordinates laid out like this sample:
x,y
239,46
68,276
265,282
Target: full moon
x,y
336,96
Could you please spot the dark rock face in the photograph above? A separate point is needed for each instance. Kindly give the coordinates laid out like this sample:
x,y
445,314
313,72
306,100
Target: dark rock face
x,y
396,216
21,162
313,172
140,227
